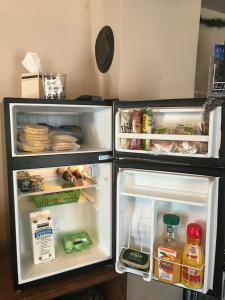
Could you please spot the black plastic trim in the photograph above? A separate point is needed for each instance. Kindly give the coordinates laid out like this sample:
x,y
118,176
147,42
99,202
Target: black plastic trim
x,y
45,161
9,100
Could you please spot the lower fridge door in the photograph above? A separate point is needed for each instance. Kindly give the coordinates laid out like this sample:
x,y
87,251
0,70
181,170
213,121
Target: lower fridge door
x,y
145,193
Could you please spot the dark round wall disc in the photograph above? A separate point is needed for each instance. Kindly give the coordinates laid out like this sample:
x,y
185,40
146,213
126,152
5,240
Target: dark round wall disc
x,y
104,49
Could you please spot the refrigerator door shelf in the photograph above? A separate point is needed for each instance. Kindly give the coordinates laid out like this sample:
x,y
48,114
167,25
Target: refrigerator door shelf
x,y
93,137
143,194
163,138
92,213
135,236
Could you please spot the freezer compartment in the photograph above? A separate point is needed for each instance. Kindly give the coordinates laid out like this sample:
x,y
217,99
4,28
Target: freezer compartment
x,y
143,197
82,222
179,131
65,129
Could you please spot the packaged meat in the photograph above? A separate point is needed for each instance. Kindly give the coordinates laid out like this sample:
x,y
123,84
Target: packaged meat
x,y
136,120
125,121
125,127
163,147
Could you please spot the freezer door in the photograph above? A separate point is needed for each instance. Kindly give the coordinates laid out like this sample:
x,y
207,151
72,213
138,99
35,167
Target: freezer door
x,y
148,191
181,130
49,127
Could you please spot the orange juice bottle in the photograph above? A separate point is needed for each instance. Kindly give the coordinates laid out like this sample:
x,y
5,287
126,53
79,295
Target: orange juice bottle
x,y
193,258
167,251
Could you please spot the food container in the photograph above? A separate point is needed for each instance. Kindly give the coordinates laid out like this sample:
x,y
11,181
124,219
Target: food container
x,y
54,85
24,182
31,85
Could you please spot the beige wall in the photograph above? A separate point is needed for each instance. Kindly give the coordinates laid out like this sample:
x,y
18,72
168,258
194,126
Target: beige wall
x,y
208,37
59,33
106,13
155,52
158,48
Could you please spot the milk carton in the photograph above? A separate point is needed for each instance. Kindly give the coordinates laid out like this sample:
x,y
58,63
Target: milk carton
x,y
42,236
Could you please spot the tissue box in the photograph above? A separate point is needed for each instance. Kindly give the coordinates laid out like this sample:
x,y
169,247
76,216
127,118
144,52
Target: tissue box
x,y
32,86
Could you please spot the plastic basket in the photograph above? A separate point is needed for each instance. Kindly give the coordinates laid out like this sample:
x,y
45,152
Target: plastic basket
x,y
56,198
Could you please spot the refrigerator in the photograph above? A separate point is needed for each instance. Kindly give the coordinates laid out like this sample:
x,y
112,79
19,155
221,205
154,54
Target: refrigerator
x,y
129,180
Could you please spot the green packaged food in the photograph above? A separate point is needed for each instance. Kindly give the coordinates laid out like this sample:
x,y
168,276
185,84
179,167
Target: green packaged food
x,y
162,130
147,123
135,259
56,198
76,241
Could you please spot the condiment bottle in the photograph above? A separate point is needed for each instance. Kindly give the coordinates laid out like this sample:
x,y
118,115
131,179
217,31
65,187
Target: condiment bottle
x,y
193,257
167,251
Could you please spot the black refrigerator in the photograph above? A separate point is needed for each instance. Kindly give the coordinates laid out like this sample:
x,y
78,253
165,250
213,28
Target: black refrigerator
x,y
128,178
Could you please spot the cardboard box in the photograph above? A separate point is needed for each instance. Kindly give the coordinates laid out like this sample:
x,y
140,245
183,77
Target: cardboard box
x,y
32,85
42,236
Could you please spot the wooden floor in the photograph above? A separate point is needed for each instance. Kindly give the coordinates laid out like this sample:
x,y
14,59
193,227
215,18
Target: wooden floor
x,y
112,284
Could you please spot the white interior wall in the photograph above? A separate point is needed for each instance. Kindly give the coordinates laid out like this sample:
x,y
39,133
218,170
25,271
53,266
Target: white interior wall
x,y
208,37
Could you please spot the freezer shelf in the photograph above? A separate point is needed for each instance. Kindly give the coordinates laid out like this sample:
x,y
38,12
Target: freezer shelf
x,y
166,133
71,129
91,214
138,199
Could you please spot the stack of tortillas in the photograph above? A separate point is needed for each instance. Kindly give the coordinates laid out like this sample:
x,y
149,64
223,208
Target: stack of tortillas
x,y
61,142
33,138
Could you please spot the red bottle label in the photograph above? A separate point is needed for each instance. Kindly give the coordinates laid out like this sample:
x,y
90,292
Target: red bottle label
x,y
191,275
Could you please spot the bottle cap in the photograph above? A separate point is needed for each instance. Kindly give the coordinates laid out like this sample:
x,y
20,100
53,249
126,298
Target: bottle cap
x,y
194,231
171,219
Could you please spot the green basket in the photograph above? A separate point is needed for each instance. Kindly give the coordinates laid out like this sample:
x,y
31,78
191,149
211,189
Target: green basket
x,y
56,198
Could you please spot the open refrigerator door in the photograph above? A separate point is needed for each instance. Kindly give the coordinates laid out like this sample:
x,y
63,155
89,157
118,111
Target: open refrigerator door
x,y
144,197
182,130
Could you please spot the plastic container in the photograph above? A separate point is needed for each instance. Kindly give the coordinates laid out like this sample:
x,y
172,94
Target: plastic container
x,y
167,252
193,258
56,198
54,85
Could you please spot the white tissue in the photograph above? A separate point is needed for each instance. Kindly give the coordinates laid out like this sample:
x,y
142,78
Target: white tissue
x,y
32,63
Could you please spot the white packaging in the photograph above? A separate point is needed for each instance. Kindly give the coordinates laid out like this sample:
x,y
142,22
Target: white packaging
x,y
42,236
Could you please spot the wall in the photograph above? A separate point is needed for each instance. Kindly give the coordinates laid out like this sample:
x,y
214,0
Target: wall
x,y
106,13
208,37
158,48
155,52
59,33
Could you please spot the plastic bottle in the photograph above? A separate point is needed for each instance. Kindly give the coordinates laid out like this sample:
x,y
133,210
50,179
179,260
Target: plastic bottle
x,y
193,257
167,251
